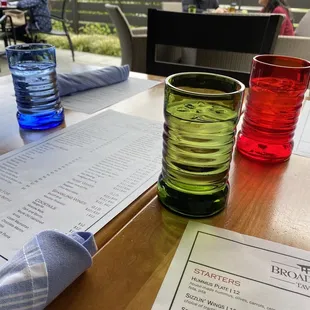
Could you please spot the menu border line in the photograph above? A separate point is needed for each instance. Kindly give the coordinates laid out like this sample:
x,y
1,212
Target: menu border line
x,y
255,247
282,280
245,244
1,256
190,253
303,130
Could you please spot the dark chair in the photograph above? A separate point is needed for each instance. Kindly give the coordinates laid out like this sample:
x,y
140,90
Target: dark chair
x,y
220,32
133,41
7,30
61,18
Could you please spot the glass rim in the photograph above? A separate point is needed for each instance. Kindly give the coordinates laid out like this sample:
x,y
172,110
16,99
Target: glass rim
x,y
256,58
40,47
187,92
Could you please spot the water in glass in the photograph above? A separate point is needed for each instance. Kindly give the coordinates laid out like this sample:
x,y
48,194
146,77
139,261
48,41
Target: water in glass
x,y
35,83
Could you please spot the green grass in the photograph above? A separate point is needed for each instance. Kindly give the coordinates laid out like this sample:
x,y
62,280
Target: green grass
x,y
95,43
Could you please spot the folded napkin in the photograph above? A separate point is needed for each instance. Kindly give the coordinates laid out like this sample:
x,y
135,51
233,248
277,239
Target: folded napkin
x,y
43,268
75,82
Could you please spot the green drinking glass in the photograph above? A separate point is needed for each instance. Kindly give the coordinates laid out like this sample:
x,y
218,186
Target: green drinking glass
x,y
201,113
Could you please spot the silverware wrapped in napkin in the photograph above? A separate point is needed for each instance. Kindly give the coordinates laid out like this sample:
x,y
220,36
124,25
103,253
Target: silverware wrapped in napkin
x,y
43,268
76,82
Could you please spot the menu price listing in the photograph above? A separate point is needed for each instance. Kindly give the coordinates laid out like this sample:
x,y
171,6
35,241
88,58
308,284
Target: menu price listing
x,y
218,269
199,288
78,178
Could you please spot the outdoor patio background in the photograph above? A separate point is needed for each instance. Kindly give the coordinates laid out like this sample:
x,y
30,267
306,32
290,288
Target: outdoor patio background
x,y
81,12
93,15
83,61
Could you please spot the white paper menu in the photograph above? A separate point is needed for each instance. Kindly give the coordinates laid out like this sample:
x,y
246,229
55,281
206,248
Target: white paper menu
x,y
302,132
78,178
218,269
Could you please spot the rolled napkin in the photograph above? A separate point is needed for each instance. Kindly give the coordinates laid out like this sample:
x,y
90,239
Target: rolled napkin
x,y
43,268
71,83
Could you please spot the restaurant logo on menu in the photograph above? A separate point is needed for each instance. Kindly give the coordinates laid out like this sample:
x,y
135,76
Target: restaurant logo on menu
x,y
298,275
304,268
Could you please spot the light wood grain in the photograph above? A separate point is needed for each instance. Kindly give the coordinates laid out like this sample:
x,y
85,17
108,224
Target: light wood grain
x,y
12,137
266,201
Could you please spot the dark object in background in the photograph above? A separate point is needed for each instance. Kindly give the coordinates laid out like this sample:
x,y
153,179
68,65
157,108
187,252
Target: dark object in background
x,y
247,34
65,33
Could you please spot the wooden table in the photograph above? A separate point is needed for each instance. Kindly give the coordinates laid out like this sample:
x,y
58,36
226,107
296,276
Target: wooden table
x,y
11,137
266,201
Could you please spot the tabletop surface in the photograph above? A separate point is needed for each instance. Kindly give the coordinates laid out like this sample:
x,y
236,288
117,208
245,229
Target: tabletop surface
x,y
266,201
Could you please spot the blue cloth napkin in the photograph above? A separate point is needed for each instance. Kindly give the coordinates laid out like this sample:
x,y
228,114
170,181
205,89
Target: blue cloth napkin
x,y
43,268
75,82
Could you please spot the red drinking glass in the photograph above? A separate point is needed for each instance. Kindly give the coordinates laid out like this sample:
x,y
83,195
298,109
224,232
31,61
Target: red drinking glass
x,y
277,88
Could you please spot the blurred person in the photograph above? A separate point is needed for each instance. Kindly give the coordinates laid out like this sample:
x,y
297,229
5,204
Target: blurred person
x,y
279,7
39,19
203,5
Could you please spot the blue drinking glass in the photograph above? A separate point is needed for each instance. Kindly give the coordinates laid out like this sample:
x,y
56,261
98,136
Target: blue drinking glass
x,y
35,83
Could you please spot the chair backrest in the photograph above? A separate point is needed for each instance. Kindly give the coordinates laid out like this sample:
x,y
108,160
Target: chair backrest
x,y
63,9
221,32
123,30
172,6
293,46
303,30
58,13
